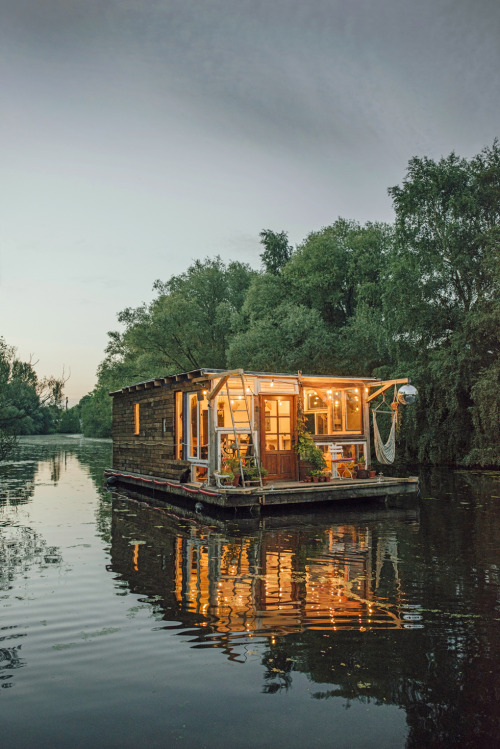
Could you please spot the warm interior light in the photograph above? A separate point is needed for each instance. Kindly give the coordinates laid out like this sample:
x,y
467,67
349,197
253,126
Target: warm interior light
x,y
272,383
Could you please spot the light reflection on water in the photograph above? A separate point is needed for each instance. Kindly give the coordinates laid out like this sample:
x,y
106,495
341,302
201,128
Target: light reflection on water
x,y
137,616
265,582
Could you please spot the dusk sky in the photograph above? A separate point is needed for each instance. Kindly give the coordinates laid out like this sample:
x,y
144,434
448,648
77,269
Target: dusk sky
x,y
139,135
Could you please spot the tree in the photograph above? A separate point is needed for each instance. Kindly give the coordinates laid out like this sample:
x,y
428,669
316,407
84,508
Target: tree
x,y
28,405
441,299
338,268
277,252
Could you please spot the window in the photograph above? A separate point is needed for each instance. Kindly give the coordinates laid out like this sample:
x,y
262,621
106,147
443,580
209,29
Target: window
x,y
136,419
353,410
179,427
198,425
331,411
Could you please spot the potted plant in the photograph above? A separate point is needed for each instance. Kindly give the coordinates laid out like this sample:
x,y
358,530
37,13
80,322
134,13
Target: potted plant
x,y
315,475
233,465
252,473
371,472
362,473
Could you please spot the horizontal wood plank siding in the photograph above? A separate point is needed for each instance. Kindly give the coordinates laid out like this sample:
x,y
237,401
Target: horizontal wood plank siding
x,y
151,451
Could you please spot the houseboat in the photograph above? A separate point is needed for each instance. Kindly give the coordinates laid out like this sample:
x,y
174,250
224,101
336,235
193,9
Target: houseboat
x,y
238,438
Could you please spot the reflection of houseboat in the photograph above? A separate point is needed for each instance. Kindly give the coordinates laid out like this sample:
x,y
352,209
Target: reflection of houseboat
x,y
180,433
318,576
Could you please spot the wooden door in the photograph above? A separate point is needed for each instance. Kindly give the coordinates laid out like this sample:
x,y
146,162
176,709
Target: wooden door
x,y
277,427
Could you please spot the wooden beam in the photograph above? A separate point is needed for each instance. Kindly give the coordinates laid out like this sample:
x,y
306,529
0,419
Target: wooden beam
x,y
226,373
385,385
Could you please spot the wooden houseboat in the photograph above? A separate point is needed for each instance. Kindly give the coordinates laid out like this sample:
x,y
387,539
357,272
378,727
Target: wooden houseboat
x,y
229,438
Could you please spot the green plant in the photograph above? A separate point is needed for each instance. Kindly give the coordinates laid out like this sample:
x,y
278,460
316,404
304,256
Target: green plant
x,y
233,464
306,447
252,472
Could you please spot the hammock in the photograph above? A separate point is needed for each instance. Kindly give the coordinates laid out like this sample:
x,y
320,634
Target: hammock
x,y
385,453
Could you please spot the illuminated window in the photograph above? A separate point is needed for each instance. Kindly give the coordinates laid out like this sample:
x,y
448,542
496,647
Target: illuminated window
x,y
353,410
136,419
198,425
330,411
179,427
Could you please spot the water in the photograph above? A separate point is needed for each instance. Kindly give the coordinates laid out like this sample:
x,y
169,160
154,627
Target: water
x,y
123,626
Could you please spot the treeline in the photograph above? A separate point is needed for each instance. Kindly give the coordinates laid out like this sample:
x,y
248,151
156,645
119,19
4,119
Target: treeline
x,y
419,298
28,404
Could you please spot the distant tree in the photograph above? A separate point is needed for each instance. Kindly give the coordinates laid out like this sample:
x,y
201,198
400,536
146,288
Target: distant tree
x,y
96,409
69,421
28,404
277,252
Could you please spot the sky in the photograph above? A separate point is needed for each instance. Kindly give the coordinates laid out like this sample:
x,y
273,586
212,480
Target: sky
x,y
139,135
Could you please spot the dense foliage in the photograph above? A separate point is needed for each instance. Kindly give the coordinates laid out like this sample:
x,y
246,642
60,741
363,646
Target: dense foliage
x,y
28,404
420,299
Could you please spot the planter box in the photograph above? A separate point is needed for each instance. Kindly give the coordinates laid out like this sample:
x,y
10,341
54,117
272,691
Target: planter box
x,y
362,474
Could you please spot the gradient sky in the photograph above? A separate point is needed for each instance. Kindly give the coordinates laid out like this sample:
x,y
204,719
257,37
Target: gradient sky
x,y
138,135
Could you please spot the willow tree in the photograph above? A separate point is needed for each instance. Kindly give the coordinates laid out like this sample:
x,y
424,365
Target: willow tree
x,y
442,300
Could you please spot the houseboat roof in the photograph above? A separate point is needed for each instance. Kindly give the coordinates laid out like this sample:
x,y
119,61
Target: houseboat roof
x,y
204,374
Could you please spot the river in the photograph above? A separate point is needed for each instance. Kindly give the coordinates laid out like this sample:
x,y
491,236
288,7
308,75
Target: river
x,y
356,626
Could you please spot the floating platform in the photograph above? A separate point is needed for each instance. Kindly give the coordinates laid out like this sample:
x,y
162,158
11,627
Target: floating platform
x,y
271,494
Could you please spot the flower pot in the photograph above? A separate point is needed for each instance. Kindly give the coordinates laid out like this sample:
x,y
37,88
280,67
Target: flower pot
x,y
372,474
315,479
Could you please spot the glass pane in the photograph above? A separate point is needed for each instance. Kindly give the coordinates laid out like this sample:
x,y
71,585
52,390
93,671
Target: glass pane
x,y
223,418
309,423
285,442
271,408
179,436
271,441
284,408
337,412
271,424
193,403
203,430
353,410
321,423
285,425
314,400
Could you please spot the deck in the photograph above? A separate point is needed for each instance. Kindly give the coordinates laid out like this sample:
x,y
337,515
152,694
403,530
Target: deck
x,y
273,493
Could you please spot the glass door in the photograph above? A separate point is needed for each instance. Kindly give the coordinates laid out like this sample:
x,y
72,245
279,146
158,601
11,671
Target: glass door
x,y
277,427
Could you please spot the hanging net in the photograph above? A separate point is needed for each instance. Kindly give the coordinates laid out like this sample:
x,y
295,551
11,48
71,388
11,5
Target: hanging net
x,y
385,453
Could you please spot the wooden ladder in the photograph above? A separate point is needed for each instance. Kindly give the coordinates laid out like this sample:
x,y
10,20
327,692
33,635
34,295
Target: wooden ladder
x,y
241,420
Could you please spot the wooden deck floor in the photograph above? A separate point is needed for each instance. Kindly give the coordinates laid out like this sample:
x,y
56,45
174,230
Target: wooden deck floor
x,y
273,493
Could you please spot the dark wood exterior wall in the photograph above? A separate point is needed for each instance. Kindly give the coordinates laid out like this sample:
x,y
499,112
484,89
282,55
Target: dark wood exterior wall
x,y
152,451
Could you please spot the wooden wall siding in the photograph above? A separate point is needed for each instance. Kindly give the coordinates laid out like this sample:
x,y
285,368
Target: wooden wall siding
x,y
152,451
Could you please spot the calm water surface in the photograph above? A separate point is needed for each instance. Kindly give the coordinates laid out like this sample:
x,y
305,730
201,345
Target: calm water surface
x,y
122,625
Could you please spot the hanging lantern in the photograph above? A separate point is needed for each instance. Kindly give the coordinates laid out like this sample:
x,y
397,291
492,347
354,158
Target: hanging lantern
x,y
407,395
